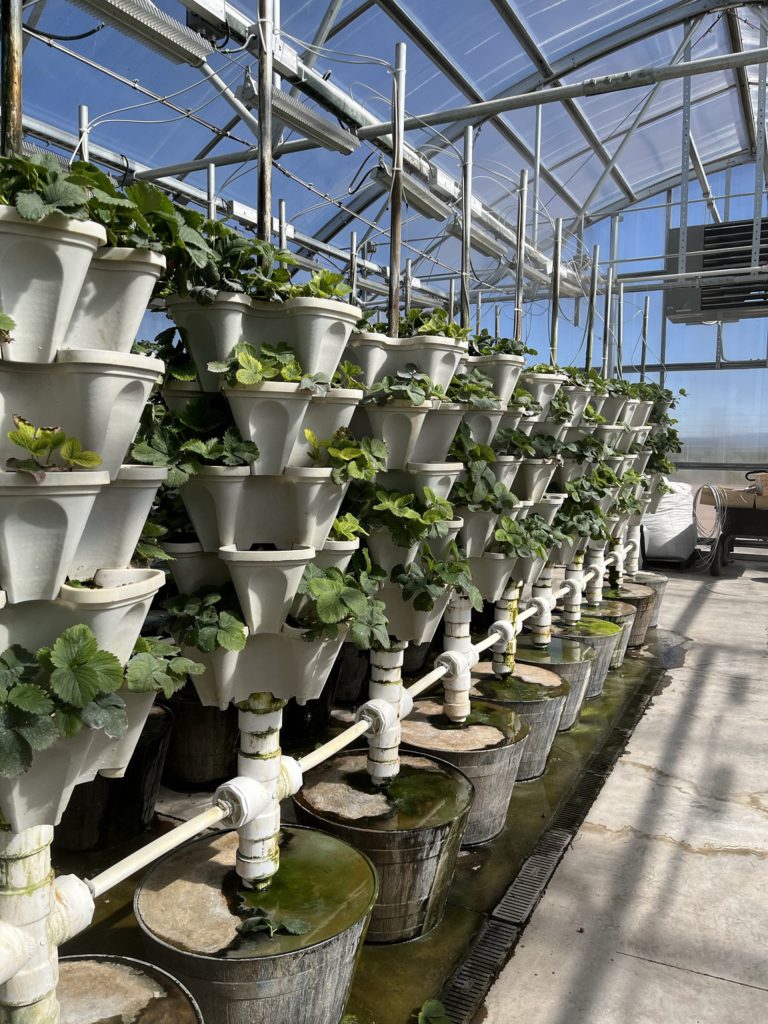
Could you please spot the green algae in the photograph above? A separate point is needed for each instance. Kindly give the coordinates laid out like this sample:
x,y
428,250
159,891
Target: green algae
x,y
560,651
514,689
507,722
588,627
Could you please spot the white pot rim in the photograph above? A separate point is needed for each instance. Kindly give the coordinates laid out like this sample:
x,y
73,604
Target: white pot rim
x,y
468,512
133,475
227,472
448,407
498,408
116,585
492,556
369,337
269,387
433,467
341,546
190,547
300,554
313,474
402,405
149,260
551,499
339,396
579,387
539,462
222,299
509,459
56,482
57,223
498,357
132,364
441,339
308,304
539,376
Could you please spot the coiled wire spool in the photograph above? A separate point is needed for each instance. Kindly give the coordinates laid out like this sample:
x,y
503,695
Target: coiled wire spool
x,y
719,503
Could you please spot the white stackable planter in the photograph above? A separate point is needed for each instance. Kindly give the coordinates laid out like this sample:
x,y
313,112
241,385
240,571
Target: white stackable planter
x,y
655,496
610,433
506,468
564,554
176,393
578,398
630,410
116,521
40,528
439,545
491,573
213,497
315,502
437,431
114,298
316,329
216,686
398,424
477,530
436,356
97,397
641,461
567,470
606,503
511,420
549,428
266,583
613,407
543,387
269,414
114,756
211,332
40,796
193,568
504,369
405,622
369,351
640,413
324,416
337,554
438,476
387,554
528,570
533,478
547,507
483,423
114,611
42,268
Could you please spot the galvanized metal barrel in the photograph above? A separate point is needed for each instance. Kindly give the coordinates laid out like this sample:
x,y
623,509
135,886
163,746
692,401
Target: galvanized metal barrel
x,y
623,615
656,581
568,659
642,600
307,985
415,865
602,637
492,770
538,697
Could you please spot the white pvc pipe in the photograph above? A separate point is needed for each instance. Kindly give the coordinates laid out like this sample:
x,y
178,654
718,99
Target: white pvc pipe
x,y
427,681
123,869
316,757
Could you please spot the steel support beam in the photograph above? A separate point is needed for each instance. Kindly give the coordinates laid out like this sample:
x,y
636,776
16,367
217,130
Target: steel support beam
x,y
733,28
701,174
396,194
759,166
11,130
685,166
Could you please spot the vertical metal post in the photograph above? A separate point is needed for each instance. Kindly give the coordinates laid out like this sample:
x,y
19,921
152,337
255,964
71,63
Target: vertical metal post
x,y
536,176
408,286
757,215
579,256
555,310
522,202
478,312
592,306
497,322
452,298
396,196
607,322
266,25
619,330
282,225
353,267
83,132
644,337
211,183
466,225
663,326
11,130
685,164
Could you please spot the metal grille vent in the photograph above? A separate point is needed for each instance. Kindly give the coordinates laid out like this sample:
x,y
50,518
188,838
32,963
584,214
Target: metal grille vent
x,y
142,20
581,798
468,986
519,901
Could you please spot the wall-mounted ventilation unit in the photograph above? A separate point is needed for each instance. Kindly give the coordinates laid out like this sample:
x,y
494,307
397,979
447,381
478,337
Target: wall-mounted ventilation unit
x,y
723,247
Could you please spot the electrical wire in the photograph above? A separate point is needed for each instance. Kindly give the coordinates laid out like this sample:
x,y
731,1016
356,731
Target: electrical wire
x,y
719,502
67,39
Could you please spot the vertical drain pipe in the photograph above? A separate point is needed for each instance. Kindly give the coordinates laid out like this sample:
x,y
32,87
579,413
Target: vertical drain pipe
x,y
574,579
507,610
386,685
27,903
595,560
259,721
632,550
457,641
541,623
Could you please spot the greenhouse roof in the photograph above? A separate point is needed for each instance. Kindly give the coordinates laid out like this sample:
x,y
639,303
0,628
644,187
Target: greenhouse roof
x,y
150,106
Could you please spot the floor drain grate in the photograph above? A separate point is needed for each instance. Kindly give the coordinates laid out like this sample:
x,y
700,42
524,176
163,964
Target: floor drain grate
x,y
582,796
468,986
519,901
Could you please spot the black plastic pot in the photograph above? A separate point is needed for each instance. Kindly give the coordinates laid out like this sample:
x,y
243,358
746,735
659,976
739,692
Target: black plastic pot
x,y
203,747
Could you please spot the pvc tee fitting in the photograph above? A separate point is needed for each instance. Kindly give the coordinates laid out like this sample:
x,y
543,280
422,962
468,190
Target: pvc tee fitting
x,y
507,632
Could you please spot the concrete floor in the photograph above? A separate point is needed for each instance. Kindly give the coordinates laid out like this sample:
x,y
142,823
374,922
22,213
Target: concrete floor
x,y
659,911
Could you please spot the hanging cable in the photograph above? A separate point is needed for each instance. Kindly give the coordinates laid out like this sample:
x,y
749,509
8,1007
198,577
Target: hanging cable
x,y
67,39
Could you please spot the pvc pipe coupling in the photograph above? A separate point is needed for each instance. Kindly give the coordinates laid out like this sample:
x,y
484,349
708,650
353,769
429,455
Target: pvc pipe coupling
x,y
384,735
244,800
507,633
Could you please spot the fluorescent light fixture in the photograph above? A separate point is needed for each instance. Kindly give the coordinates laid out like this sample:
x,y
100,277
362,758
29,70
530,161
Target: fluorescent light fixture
x,y
145,22
417,195
481,240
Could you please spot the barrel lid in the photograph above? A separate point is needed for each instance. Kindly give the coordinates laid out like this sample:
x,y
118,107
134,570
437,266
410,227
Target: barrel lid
x,y
488,726
560,651
527,683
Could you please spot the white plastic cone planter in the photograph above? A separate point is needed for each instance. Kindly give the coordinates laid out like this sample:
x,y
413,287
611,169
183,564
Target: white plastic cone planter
x,y
439,546
610,433
116,521
613,407
521,510
405,622
385,553
42,268
438,476
114,298
503,369
217,685
549,428
483,424
655,494
115,611
437,432
114,756
193,568
40,796
564,554
640,413
269,414
211,332
491,573
605,504
528,570
176,393
297,507
40,528
477,531
97,397
337,554
318,331
641,461
324,416
212,498
543,387
505,467
533,478
369,351
578,399
511,420
435,356
548,506
398,424
266,583
629,411
568,470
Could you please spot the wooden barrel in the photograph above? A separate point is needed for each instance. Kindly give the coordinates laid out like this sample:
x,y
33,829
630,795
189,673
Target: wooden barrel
x,y
122,989
416,863
642,600
538,697
602,637
623,615
656,582
487,748
570,660
184,908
